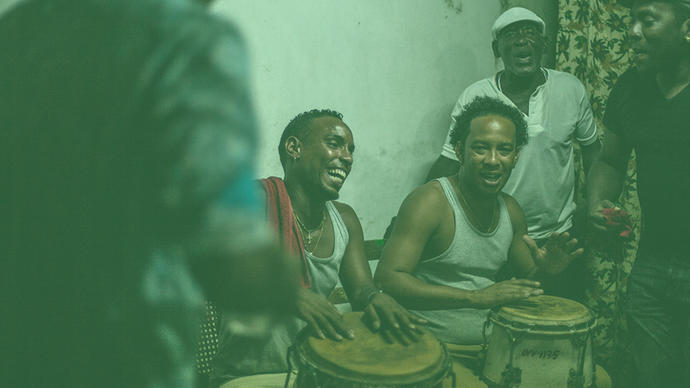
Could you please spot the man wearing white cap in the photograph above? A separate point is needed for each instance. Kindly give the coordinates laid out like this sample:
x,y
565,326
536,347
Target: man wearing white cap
x,y
556,108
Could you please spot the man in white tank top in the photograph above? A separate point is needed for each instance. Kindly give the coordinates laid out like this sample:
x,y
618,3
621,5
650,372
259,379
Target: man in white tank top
x,y
316,151
452,235
558,114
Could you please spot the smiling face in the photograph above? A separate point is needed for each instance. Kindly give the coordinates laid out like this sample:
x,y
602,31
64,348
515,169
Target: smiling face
x,y
657,35
488,154
323,157
520,45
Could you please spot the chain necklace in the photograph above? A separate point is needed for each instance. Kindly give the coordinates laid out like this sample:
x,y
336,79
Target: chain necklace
x,y
307,234
473,216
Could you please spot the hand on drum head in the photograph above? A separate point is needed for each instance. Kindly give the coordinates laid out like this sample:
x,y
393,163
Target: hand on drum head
x,y
393,321
505,292
322,316
556,254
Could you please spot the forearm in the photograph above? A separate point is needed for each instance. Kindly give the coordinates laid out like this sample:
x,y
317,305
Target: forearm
x,y
589,155
362,296
418,295
604,182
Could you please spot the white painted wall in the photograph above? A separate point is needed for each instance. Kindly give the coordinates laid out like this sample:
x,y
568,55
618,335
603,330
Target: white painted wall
x,y
394,68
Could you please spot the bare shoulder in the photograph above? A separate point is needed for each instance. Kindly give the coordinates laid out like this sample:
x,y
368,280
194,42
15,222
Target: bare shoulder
x,y
517,217
423,209
347,213
511,203
427,196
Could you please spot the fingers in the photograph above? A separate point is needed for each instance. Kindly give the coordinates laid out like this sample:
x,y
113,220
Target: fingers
x,y
571,244
533,292
372,317
322,316
524,282
534,249
578,252
597,221
396,323
416,319
340,327
406,328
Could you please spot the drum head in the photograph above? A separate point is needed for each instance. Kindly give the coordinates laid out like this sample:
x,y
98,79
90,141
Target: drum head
x,y
545,311
370,359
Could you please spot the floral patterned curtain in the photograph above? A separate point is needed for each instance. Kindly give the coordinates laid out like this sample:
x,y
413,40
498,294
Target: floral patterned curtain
x,y
592,45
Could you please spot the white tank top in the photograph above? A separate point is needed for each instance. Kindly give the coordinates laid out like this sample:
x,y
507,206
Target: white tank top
x,y
241,356
471,262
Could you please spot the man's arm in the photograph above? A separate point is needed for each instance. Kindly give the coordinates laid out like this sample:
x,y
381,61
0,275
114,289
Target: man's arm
x,y
443,166
418,221
589,154
355,275
606,177
197,102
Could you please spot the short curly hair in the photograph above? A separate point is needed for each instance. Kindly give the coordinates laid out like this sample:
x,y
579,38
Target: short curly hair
x,y
298,127
482,106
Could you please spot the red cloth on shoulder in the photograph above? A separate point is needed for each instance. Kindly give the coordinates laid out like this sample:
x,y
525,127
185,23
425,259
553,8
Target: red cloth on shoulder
x,y
279,214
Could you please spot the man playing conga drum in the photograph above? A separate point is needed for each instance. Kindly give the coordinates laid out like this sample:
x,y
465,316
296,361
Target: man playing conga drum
x,y
453,234
316,151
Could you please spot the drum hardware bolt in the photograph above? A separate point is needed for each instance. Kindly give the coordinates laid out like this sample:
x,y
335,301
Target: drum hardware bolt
x,y
578,340
511,377
576,380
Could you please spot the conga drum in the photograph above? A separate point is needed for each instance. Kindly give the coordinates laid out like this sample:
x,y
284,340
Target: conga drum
x,y
368,361
543,341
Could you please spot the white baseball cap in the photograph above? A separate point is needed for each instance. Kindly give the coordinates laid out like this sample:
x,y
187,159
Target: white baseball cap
x,y
513,15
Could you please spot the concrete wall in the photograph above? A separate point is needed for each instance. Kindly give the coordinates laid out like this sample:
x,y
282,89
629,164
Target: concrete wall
x,y
394,68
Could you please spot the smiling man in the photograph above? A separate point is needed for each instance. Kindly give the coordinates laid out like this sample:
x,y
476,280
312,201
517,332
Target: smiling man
x,y
316,151
556,108
455,233
649,111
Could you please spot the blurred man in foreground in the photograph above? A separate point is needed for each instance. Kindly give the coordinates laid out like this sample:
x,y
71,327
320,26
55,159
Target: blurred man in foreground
x,y
127,139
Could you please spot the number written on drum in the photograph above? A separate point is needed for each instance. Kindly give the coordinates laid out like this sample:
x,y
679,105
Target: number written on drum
x,y
541,354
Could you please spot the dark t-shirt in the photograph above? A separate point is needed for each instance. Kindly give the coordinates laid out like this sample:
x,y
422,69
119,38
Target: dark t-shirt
x,y
121,122
659,131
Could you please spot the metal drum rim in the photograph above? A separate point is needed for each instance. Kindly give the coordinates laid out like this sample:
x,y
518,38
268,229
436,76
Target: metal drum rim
x,y
554,329
433,375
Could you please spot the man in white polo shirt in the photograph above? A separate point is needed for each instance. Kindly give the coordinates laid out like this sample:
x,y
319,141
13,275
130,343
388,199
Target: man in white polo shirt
x,y
557,109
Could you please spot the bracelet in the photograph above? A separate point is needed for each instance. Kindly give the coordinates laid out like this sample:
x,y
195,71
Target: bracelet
x,y
373,294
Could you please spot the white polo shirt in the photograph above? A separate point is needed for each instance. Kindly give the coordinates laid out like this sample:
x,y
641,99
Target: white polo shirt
x,y
543,180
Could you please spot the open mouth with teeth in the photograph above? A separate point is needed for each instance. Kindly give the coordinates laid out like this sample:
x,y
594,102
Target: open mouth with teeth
x,y
337,175
524,58
491,178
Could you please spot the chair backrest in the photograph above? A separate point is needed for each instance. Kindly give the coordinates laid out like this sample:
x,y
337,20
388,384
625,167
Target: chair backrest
x,y
373,249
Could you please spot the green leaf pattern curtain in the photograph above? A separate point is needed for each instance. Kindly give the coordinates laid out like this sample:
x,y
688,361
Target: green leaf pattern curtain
x,y
592,45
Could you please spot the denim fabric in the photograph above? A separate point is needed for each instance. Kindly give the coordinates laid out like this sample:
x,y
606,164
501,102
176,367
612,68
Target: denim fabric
x,y
658,307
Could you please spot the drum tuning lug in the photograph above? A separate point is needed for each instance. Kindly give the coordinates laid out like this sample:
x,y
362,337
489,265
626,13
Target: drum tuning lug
x,y
578,341
576,380
511,377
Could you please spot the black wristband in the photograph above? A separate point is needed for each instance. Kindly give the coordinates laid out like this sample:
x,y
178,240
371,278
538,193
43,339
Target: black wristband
x,y
373,294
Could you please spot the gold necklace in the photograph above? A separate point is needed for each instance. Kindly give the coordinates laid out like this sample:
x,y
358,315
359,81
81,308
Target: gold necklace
x,y
305,231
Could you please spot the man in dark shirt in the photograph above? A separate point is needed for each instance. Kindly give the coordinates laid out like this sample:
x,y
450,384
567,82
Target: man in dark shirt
x,y
649,111
126,143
